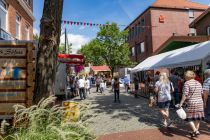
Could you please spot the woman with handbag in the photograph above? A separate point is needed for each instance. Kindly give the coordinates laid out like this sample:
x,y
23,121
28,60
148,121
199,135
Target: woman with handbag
x,y
164,87
192,97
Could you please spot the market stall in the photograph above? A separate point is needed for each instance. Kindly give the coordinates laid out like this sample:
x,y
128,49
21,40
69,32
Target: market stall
x,y
195,57
198,54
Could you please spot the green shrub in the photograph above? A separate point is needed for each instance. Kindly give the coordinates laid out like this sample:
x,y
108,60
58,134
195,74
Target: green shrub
x,y
44,121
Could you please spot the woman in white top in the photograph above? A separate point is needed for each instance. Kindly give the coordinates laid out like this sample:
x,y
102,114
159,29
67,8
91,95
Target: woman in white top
x,y
163,88
87,85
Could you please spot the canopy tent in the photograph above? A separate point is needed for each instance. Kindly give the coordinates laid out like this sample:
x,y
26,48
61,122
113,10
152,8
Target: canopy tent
x,y
188,56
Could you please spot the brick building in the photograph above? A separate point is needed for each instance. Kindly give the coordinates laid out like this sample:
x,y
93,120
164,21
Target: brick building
x,y
16,19
202,24
162,20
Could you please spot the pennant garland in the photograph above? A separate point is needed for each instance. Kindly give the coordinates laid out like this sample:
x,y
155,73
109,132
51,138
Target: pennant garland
x,y
85,23
96,24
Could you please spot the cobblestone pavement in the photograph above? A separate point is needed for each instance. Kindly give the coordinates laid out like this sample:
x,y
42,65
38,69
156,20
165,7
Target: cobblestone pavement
x,y
132,116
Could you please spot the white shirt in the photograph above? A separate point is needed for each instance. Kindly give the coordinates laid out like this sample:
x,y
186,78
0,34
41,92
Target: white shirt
x,y
81,83
87,84
165,91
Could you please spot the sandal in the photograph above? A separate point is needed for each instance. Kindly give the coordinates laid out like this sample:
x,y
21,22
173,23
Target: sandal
x,y
193,134
197,132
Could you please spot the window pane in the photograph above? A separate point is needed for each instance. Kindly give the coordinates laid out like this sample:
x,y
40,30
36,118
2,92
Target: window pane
x,y
3,4
27,32
142,47
191,13
208,31
17,29
133,51
2,19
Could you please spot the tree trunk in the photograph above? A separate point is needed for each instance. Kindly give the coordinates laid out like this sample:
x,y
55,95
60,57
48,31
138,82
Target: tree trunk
x,y
112,72
50,31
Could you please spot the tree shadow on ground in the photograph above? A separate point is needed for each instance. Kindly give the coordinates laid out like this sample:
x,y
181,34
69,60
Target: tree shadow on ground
x,y
128,108
132,107
183,131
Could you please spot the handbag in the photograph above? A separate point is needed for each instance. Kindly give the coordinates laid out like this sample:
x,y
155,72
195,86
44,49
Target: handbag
x,y
181,113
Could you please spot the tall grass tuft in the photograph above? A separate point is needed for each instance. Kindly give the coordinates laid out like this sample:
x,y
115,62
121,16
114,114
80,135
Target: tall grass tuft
x,y
45,121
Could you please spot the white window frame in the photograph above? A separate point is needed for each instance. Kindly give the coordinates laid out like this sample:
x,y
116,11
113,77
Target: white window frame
x,y
27,32
208,31
17,22
142,47
4,9
191,13
133,51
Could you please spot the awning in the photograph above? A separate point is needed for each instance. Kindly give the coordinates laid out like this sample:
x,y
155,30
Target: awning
x,y
100,68
72,59
188,56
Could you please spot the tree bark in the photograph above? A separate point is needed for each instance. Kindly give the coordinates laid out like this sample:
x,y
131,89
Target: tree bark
x,y
50,31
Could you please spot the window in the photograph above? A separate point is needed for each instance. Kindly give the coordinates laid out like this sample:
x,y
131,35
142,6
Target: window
x,y
28,2
191,14
27,32
142,23
208,31
142,47
133,51
3,14
18,26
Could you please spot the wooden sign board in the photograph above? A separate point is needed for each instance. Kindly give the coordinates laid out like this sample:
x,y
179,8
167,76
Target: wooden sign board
x,y
12,52
13,84
17,70
12,96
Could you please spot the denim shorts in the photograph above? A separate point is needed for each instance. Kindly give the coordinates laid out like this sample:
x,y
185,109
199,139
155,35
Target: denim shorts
x,y
163,105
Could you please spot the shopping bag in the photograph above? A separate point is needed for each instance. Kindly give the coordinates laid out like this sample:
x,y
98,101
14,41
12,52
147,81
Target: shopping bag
x,y
181,113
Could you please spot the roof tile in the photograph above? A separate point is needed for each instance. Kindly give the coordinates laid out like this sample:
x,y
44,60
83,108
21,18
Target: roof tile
x,y
183,4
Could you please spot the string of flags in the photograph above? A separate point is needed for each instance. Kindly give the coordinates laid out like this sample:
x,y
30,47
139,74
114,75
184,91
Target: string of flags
x,y
85,23
91,24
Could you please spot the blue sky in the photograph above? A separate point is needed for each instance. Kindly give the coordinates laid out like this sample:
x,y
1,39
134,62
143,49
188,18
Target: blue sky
x,y
95,11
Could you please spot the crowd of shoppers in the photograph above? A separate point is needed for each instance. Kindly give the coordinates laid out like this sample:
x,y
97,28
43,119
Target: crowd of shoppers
x,y
193,97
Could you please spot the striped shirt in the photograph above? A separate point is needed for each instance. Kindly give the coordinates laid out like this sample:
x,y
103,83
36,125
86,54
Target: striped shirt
x,y
193,91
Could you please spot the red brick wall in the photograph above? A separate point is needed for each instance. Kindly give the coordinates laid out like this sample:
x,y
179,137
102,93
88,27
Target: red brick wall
x,y
13,9
176,21
145,36
202,26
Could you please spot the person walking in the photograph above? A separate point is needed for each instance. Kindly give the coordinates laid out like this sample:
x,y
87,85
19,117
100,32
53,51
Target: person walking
x,y
206,90
87,86
192,95
81,85
163,88
98,82
136,87
126,83
174,78
116,90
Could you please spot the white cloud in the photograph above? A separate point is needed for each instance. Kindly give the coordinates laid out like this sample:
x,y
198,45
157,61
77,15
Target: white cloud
x,y
76,40
82,27
35,31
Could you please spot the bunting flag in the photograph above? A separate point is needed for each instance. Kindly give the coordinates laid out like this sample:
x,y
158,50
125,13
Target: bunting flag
x,y
90,24
85,23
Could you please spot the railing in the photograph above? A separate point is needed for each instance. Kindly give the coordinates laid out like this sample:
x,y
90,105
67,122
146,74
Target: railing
x,y
5,36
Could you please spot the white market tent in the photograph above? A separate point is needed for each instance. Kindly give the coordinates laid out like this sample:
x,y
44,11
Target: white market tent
x,y
188,56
